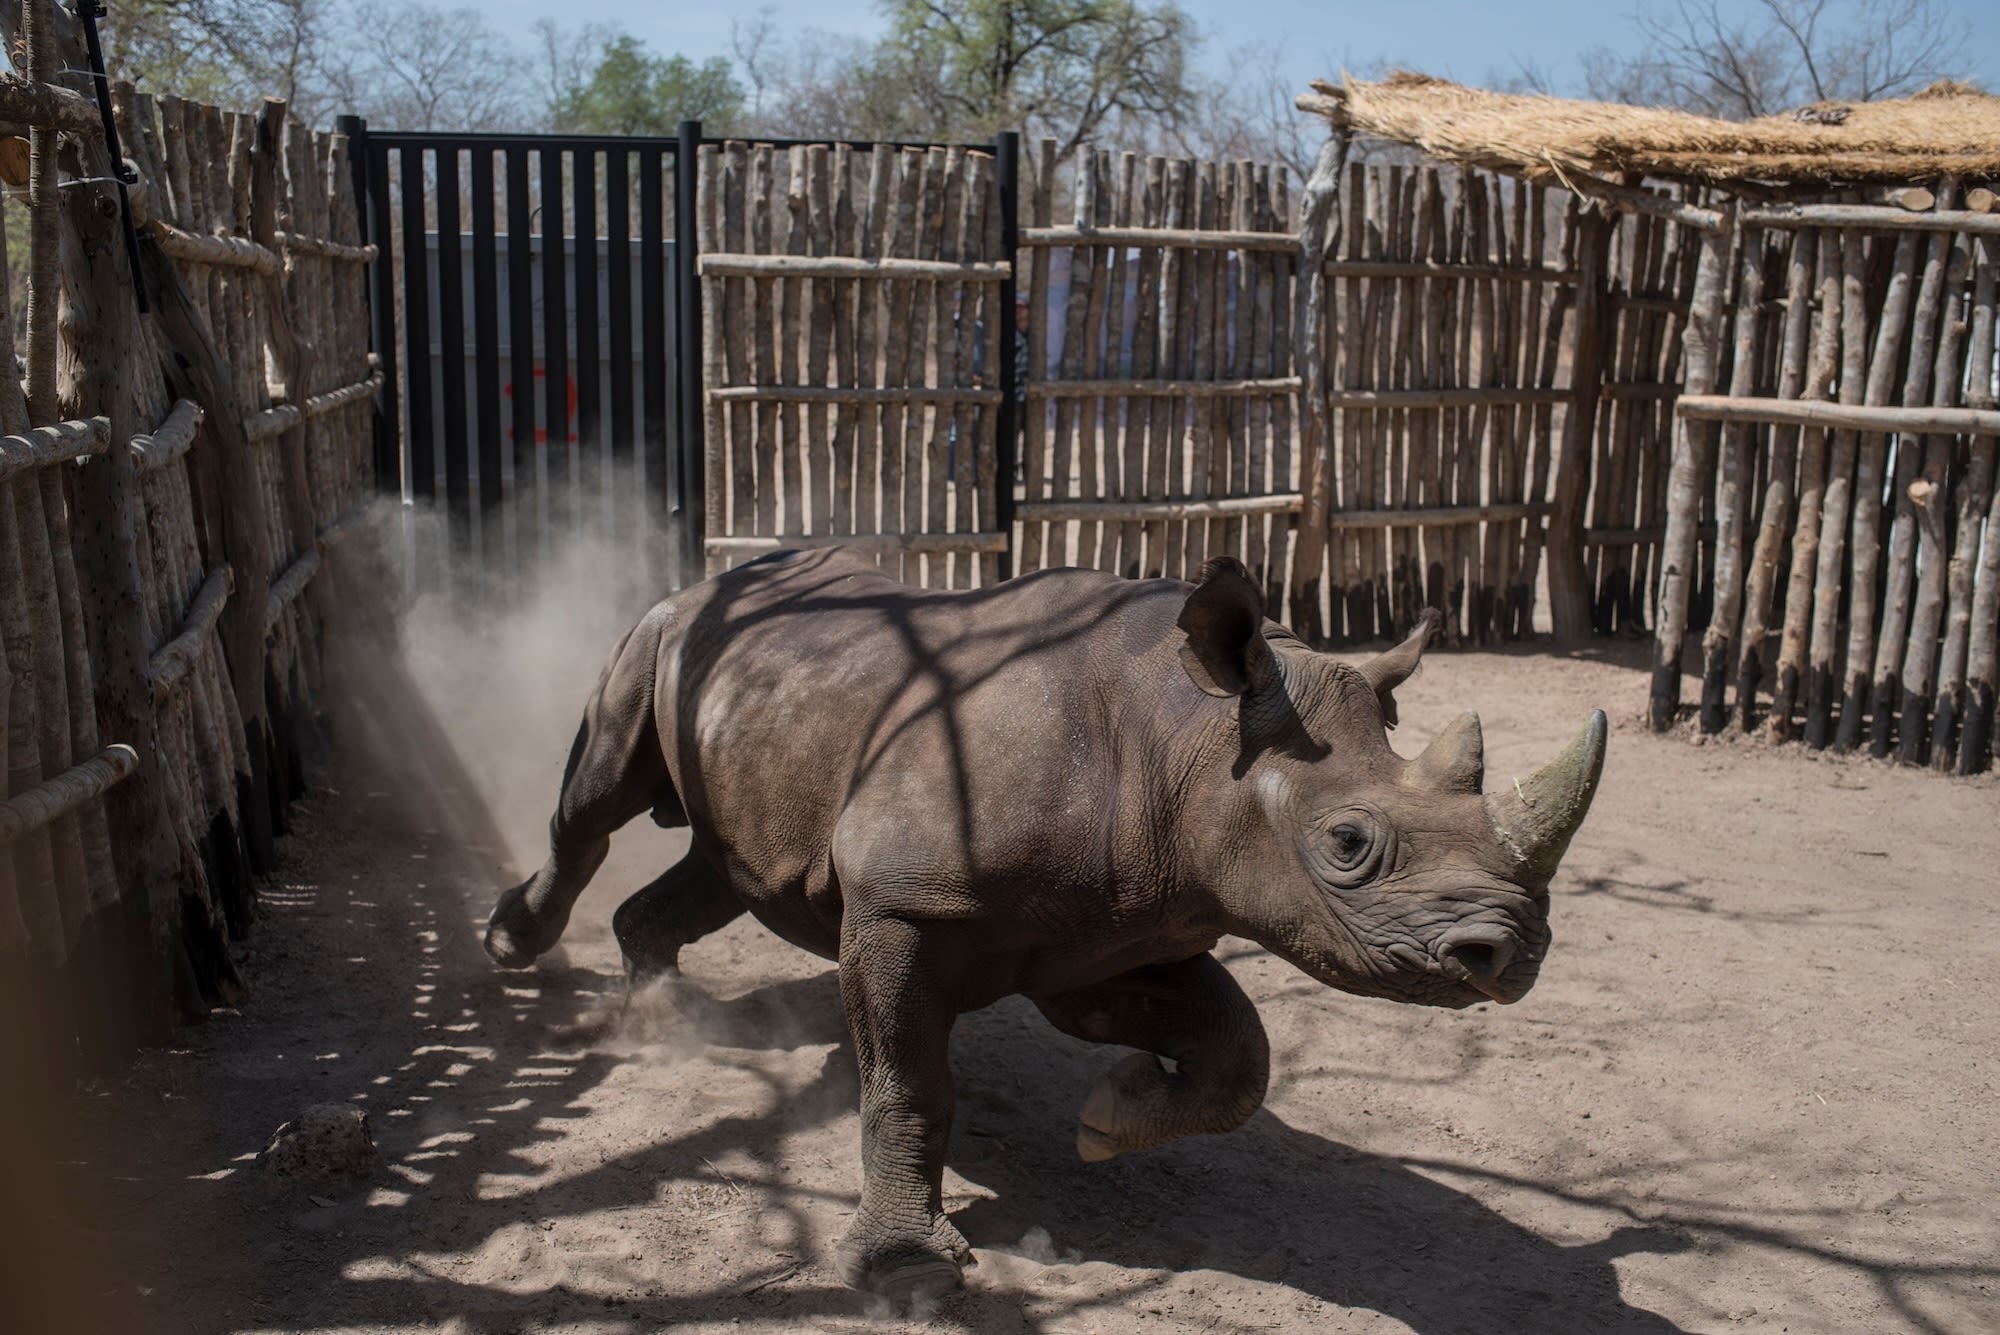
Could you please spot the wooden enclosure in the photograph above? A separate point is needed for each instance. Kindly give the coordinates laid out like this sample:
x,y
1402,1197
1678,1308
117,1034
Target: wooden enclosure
x,y
851,316
1839,445
169,482
1691,412
1160,392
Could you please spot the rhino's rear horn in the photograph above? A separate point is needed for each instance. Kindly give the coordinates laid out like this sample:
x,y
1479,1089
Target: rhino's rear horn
x,y
1391,668
1538,815
1454,762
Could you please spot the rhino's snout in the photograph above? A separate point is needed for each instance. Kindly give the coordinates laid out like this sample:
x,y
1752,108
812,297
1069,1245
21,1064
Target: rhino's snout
x,y
1481,955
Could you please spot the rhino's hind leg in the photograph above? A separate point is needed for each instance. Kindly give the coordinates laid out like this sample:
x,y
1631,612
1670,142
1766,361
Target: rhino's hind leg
x,y
615,774
683,904
1191,1012
897,992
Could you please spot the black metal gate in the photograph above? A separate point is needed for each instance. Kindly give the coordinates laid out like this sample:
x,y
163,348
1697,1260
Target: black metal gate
x,y
528,299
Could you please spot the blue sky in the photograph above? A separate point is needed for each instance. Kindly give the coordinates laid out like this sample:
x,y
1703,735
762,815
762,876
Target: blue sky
x,y
1475,41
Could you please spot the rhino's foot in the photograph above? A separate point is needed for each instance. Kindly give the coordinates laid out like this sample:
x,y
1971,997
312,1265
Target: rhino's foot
x,y
678,908
1138,1105
1113,1120
907,1270
516,935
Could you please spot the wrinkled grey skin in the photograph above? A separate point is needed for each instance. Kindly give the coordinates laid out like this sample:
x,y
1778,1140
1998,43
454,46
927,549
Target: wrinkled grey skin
x,y
1069,786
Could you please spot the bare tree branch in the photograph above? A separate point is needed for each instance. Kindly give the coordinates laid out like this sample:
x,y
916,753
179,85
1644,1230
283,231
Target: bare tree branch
x,y
1740,64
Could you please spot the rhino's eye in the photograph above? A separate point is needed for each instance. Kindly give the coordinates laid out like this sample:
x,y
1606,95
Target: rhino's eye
x,y
1350,845
1351,849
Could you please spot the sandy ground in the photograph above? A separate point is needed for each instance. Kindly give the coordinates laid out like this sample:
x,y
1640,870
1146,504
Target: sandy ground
x,y
1755,1090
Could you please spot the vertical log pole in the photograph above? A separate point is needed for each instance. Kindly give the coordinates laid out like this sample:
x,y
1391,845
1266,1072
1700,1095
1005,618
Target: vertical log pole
x,y
1310,352
1929,495
1888,646
1794,638
1974,490
288,316
195,369
1864,543
1982,663
28,892
1738,472
1569,582
1780,480
1832,550
1693,443
700,494
1007,162
98,371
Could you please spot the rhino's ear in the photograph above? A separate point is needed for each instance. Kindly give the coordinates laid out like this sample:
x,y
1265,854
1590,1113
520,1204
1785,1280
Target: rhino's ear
x,y
1391,668
1225,652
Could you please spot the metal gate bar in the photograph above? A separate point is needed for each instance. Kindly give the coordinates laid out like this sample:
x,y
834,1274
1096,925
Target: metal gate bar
x,y
555,338
521,347
513,311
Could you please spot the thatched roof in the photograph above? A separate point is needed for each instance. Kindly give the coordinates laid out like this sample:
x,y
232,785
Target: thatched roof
x,y
1947,128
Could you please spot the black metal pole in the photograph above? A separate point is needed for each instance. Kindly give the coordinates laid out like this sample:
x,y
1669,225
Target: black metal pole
x,y
1007,173
371,205
691,505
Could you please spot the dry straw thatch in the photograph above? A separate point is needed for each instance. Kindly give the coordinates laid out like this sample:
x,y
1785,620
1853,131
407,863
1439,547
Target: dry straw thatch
x,y
1948,128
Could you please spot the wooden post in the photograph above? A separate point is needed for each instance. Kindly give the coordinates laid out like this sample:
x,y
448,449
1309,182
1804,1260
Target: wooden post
x,y
99,367
1737,473
288,317
1781,477
1832,551
1926,348
1311,350
1864,543
194,367
1974,490
1693,443
1930,495
1982,668
1793,639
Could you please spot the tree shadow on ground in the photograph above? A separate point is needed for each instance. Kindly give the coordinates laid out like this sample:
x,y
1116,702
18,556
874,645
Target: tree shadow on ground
x,y
483,1071
468,1175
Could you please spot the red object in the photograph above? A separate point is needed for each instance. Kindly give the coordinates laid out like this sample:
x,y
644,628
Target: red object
x,y
569,408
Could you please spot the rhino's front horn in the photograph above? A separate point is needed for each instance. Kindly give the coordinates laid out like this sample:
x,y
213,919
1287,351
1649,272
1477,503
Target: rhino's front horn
x,y
1538,815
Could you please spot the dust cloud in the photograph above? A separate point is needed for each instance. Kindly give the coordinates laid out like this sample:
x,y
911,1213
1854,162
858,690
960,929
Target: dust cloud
x,y
465,685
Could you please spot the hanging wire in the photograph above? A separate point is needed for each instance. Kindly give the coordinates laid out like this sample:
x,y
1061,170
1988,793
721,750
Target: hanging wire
x,y
122,172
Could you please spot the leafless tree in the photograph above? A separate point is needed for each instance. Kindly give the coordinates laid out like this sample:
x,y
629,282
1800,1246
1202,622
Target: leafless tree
x,y
1245,110
1740,61
755,44
412,67
566,57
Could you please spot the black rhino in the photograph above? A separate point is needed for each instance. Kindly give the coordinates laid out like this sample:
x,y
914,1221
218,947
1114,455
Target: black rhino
x,y
1067,786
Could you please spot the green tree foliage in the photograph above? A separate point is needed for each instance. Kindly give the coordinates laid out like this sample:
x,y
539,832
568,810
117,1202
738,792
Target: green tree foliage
x,y
630,90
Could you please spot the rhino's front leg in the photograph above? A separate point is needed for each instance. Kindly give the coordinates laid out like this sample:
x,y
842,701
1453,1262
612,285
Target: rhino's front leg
x,y
900,1244
1190,1011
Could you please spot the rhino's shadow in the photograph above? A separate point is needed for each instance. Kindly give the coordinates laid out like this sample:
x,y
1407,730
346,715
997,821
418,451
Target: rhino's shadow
x,y
1270,1203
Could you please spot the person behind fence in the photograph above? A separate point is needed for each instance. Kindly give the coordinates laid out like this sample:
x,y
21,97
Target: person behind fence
x,y
978,378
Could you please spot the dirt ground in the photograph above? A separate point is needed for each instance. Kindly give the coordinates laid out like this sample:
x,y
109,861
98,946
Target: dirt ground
x,y
1755,1090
